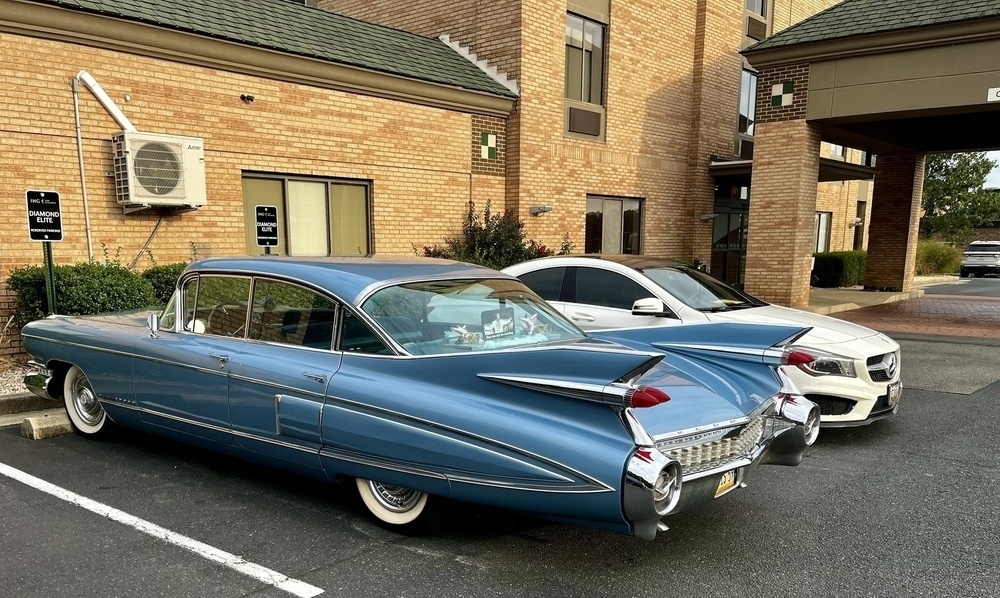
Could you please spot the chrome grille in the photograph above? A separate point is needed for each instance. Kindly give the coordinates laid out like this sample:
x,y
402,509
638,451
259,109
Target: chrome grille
x,y
882,368
709,455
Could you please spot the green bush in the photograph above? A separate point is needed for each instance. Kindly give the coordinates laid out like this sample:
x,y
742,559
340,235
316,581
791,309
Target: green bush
x,y
164,279
81,289
935,257
835,269
495,241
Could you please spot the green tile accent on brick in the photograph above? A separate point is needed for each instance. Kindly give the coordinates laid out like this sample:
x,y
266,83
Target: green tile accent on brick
x,y
788,87
305,31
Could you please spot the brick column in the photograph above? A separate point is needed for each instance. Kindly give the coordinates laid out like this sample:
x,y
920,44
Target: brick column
x,y
892,236
782,211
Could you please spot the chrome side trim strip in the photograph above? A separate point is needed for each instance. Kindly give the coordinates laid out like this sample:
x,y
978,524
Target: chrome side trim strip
x,y
376,462
274,385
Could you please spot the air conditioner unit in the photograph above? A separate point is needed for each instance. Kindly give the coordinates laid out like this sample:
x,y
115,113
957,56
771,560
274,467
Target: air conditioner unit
x,y
155,170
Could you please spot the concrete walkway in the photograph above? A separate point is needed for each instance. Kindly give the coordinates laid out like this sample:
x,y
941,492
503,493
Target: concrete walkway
x,y
831,301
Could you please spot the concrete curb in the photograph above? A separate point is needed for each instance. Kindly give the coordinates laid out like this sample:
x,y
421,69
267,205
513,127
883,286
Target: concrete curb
x,y
25,401
36,416
48,424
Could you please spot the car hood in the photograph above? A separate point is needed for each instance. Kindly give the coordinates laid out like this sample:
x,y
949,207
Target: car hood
x,y
825,330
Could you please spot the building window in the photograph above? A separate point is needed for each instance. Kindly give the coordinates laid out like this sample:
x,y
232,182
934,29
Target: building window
x,y
316,217
836,151
584,60
821,232
748,102
757,7
614,225
859,227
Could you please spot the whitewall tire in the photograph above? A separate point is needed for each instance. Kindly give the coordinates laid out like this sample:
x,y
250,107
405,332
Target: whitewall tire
x,y
400,509
82,407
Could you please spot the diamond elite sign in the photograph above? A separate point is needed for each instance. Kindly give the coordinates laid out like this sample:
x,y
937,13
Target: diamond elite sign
x,y
44,216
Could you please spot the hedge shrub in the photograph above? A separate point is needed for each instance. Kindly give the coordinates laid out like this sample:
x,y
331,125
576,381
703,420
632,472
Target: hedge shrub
x,y
493,240
81,289
935,257
835,269
164,279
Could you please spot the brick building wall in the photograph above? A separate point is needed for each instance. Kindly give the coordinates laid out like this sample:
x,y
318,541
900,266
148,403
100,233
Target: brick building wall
x,y
672,89
418,158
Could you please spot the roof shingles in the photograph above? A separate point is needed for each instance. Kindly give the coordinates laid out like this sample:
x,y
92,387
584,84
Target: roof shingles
x,y
859,17
288,27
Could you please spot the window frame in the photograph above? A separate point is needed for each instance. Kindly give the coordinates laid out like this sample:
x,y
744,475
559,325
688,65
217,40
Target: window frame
x,y
282,204
586,75
822,223
621,201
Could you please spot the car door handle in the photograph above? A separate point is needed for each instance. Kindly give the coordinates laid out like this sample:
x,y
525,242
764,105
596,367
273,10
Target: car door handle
x,y
223,359
578,317
321,378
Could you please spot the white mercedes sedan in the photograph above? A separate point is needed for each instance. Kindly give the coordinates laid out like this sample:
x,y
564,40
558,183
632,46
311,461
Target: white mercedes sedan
x,y
855,378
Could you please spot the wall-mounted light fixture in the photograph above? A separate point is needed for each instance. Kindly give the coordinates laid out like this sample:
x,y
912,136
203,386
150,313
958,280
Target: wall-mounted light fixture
x,y
539,210
246,98
707,217
857,222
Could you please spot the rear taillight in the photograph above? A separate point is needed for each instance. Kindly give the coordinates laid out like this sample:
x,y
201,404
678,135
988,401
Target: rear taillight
x,y
645,396
794,356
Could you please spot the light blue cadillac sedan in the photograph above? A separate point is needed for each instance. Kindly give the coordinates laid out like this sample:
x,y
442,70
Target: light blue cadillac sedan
x,y
422,381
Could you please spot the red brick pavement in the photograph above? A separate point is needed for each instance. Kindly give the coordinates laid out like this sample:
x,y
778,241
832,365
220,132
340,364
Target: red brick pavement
x,y
953,315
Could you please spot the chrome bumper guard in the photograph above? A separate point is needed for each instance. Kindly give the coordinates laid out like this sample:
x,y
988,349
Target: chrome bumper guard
x,y
38,382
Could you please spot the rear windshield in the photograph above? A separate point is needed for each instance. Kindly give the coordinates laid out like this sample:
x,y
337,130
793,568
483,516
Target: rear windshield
x,y
984,248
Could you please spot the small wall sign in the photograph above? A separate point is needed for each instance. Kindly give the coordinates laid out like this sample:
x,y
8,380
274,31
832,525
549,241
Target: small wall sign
x,y
44,216
267,226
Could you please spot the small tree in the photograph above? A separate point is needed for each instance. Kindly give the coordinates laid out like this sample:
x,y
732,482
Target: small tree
x,y
954,199
493,240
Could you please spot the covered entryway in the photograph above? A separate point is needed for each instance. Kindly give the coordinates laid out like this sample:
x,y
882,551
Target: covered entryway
x,y
897,79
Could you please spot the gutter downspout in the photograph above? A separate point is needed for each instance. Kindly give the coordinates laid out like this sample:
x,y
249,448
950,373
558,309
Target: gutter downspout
x,y
118,115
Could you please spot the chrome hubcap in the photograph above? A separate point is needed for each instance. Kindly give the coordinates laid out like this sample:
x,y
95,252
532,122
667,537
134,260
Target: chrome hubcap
x,y
395,498
85,403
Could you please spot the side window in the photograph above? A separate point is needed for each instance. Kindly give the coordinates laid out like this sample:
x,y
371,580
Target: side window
x,y
220,305
607,289
357,337
292,315
547,283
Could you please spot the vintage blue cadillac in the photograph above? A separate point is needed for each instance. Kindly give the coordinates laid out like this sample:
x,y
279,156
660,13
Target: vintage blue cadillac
x,y
427,380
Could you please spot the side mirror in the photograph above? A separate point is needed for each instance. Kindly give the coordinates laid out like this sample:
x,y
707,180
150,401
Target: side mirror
x,y
153,323
650,307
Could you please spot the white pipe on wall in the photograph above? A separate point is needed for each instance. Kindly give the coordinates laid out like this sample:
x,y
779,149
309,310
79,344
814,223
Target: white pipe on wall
x,y
102,97
83,179
119,116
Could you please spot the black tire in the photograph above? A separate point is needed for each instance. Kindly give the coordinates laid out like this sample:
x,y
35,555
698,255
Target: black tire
x,y
399,509
84,410
963,274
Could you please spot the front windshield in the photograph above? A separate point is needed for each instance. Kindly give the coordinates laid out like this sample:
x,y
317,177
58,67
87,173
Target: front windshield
x,y
699,290
459,316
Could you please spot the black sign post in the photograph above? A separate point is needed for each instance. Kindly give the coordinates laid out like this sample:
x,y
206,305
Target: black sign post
x,y
267,227
45,225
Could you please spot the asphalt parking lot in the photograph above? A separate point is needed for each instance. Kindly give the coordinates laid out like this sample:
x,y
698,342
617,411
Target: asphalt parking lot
x,y
904,507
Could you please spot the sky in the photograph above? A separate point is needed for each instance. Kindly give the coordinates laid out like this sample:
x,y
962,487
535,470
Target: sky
x,y
993,181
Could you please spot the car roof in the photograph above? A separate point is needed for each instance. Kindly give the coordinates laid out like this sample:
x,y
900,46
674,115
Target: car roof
x,y
350,278
637,262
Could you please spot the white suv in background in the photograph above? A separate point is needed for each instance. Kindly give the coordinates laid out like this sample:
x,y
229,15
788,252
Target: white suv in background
x,y
854,380
980,258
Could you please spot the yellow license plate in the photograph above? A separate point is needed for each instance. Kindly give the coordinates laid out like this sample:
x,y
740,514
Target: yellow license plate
x,y
726,484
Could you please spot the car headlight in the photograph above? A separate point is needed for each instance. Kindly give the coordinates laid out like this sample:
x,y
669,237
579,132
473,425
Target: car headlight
x,y
823,363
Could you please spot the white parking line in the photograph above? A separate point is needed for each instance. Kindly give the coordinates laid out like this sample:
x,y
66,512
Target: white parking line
x,y
262,574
